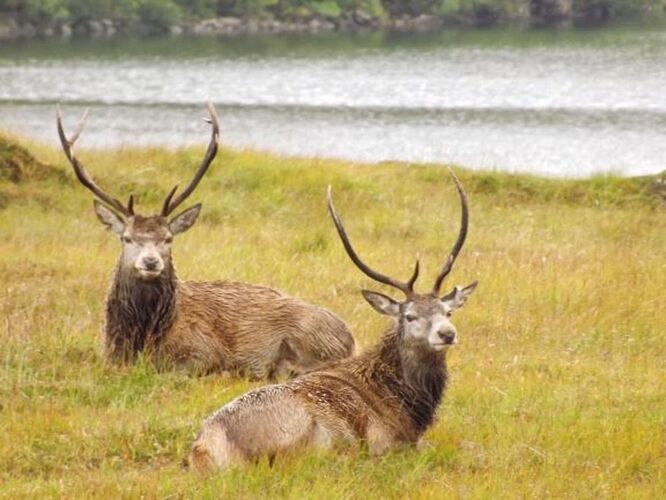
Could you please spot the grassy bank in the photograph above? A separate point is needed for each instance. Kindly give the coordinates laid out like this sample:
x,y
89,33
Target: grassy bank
x,y
557,385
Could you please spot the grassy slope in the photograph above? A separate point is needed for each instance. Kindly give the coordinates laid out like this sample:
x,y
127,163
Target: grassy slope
x,y
557,386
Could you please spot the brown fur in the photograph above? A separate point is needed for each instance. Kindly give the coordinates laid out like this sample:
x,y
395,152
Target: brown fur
x,y
204,327
220,326
217,326
383,398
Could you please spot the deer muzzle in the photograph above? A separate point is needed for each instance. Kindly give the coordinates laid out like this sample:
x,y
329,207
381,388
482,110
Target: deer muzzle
x,y
149,265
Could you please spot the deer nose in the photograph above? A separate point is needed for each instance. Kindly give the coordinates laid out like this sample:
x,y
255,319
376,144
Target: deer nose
x,y
448,336
150,263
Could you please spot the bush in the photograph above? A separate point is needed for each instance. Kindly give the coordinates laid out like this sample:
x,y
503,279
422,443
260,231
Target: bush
x,y
198,9
397,8
160,13
37,11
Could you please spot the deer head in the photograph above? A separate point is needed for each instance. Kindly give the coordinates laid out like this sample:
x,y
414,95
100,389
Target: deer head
x,y
146,240
424,320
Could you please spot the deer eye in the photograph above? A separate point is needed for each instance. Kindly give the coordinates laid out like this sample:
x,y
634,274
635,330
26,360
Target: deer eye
x,y
168,240
127,239
449,313
411,317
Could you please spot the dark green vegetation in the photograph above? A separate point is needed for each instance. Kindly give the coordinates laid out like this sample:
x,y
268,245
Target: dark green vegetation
x,y
558,381
30,17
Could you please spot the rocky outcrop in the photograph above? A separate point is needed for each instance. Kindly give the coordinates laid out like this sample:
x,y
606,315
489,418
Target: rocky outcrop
x,y
235,26
422,23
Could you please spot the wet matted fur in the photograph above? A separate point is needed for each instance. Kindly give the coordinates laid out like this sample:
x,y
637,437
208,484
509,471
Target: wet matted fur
x,y
219,326
384,398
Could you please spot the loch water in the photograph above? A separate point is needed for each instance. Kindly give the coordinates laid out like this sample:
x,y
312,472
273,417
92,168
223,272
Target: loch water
x,y
563,103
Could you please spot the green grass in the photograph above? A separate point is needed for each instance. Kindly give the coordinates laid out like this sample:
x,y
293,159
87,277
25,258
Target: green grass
x,y
558,384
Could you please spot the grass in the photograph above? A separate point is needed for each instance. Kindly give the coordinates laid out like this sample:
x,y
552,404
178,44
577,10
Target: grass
x,y
558,384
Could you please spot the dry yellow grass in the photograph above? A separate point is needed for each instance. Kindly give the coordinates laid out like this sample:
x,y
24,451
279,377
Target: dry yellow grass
x,y
558,386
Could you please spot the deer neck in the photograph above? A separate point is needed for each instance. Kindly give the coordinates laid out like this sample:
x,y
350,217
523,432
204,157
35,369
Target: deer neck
x,y
140,313
415,377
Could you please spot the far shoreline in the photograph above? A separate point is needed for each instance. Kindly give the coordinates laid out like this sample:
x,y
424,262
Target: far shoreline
x,y
358,22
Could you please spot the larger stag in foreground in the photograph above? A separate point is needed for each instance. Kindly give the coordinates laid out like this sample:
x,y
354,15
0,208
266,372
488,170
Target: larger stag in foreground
x,y
385,397
203,327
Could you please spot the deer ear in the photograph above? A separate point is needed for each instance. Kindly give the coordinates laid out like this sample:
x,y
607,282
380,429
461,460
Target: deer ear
x,y
109,218
184,220
382,303
457,297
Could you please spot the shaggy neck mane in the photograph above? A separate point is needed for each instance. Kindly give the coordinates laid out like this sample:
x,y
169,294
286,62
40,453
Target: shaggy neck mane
x,y
415,377
139,313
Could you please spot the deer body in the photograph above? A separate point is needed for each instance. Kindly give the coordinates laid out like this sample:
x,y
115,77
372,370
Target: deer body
x,y
203,327
221,326
385,398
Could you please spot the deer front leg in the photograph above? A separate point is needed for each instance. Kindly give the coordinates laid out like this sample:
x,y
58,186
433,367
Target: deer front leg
x,y
379,439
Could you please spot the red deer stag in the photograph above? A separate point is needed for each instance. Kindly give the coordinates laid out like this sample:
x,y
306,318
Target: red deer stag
x,y
201,327
385,397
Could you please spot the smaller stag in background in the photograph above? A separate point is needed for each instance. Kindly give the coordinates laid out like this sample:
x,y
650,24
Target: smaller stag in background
x,y
201,327
385,397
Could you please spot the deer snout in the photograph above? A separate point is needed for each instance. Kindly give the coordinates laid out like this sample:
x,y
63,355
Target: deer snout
x,y
447,335
150,263
149,266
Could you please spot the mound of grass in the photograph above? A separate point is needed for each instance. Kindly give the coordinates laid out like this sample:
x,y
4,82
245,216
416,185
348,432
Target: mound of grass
x,y
647,190
557,385
17,164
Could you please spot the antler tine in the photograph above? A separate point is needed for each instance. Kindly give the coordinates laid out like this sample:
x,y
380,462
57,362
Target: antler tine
x,y
130,204
81,174
169,206
406,288
462,235
167,201
415,275
79,126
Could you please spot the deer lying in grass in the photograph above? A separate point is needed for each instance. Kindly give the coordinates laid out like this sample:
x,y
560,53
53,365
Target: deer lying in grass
x,y
202,327
385,397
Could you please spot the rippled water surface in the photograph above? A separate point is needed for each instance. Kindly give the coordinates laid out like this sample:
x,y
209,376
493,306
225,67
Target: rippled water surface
x,y
556,103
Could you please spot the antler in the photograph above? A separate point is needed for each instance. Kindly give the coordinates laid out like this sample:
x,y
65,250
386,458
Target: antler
x,y
81,174
464,223
169,205
407,287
